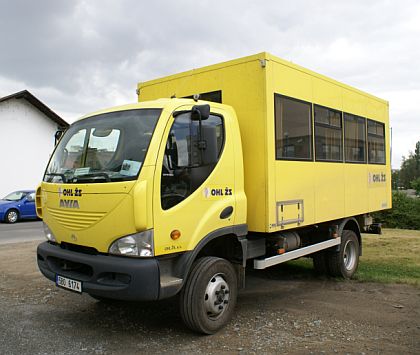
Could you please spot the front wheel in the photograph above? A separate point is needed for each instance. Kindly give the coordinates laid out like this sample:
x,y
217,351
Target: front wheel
x,y
208,297
345,262
12,216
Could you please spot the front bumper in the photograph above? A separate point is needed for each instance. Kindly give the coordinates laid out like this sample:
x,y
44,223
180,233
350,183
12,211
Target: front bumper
x,y
108,276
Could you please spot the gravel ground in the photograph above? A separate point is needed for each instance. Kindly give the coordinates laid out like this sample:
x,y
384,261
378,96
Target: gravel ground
x,y
276,313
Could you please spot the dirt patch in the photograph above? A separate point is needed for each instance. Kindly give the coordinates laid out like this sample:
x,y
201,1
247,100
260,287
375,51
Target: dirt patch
x,y
275,313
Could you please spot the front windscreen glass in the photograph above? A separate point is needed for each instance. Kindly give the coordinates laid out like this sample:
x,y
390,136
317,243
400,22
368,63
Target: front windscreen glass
x,y
103,148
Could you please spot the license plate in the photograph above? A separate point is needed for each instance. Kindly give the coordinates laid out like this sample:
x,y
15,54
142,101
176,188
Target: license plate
x,y
69,284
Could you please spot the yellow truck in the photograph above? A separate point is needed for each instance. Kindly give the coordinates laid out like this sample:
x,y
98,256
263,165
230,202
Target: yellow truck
x,y
247,163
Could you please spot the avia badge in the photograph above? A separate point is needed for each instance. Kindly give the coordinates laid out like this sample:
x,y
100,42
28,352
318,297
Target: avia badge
x,y
69,204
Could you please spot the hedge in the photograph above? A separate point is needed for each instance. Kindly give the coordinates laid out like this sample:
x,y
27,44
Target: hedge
x,y
405,212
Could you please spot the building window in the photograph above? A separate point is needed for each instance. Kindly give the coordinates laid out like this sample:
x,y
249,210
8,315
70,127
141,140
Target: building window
x,y
293,120
376,142
328,135
354,138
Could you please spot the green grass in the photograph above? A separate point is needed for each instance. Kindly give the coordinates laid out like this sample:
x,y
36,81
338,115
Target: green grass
x,y
393,257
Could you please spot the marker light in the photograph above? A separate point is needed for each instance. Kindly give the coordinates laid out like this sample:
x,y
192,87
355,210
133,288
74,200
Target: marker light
x,y
175,234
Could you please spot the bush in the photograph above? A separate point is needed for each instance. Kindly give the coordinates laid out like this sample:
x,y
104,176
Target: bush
x,y
405,213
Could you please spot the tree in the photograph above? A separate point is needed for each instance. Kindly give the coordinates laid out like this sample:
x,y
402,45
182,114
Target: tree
x,y
415,184
410,168
395,178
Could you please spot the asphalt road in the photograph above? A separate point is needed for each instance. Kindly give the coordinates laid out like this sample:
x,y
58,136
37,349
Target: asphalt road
x,y
24,231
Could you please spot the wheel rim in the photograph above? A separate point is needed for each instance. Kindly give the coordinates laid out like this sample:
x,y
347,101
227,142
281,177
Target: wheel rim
x,y
12,216
216,297
349,255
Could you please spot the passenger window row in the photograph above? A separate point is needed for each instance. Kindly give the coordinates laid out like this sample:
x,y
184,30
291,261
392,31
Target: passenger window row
x,y
364,139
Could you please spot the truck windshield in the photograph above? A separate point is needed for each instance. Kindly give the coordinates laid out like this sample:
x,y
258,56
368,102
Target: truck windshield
x,y
103,148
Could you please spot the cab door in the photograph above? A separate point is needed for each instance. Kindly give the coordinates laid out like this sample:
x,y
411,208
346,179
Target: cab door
x,y
194,192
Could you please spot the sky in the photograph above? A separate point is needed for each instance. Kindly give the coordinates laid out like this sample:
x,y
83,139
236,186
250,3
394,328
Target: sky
x,y
80,56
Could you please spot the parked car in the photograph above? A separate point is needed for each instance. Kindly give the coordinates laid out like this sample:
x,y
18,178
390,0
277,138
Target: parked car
x,y
18,205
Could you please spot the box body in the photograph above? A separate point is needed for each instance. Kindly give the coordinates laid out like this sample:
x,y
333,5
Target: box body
x,y
284,194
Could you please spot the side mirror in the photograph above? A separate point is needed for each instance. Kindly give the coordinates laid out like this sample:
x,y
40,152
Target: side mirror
x,y
200,112
29,199
210,154
58,135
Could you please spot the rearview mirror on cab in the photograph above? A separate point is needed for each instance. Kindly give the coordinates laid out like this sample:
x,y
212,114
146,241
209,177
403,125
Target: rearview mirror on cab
x,y
200,112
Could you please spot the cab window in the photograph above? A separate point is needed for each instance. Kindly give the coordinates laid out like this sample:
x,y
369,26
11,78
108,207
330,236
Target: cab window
x,y
189,157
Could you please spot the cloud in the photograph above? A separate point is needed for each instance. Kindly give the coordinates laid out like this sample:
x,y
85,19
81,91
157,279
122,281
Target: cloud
x,y
80,56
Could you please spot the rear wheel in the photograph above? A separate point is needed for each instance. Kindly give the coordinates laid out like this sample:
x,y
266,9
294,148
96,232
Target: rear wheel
x,y
345,262
12,216
208,297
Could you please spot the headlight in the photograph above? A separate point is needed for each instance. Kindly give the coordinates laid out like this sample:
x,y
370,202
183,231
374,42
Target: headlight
x,y
48,234
139,244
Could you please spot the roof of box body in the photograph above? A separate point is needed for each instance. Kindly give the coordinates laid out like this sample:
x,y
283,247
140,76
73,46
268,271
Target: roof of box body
x,y
261,57
25,94
163,103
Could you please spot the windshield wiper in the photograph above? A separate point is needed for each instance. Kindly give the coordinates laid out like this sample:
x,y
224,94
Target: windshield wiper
x,y
63,177
93,176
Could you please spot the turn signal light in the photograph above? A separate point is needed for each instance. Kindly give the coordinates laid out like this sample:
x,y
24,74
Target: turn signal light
x,y
175,234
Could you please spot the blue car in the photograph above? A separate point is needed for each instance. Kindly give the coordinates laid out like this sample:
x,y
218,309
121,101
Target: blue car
x,y
18,205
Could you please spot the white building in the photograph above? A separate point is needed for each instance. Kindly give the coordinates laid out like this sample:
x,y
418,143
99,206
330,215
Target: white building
x,y
27,131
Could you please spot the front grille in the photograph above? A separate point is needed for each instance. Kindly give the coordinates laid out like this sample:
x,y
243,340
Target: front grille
x,y
114,279
68,268
79,248
75,220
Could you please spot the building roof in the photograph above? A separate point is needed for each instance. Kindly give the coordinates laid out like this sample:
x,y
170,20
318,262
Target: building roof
x,y
25,94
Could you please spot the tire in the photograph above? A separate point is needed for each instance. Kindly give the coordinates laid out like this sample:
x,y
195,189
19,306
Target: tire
x,y
12,216
320,262
208,298
345,262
